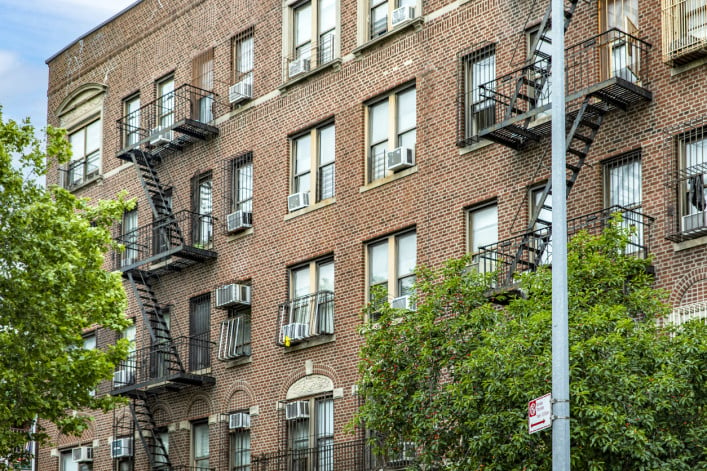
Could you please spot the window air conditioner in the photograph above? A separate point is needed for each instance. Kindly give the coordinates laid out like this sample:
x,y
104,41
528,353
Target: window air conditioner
x,y
233,294
240,91
400,158
239,220
402,302
239,420
297,410
121,448
402,14
298,66
691,222
82,454
297,201
123,378
295,331
160,137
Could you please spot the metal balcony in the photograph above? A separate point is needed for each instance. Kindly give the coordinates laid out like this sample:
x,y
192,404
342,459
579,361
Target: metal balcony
x,y
609,67
167,366
170,244
171,123
305,317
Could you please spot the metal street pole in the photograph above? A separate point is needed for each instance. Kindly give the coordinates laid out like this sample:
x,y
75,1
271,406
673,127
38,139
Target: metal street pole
x,y
560,341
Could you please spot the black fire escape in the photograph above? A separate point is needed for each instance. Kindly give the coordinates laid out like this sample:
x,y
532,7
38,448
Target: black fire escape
x,y
603,73
172,242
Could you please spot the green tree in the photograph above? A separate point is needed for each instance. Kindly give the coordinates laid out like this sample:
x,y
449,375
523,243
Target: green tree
x,y
455,376
52,287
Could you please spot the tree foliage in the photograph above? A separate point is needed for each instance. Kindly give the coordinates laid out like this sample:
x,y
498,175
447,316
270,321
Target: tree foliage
x,y
455,376
52,287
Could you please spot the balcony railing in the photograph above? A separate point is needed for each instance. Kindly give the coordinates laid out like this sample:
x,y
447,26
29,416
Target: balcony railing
x,y
312,57
78,172
684,30
688,218
354,455
537,249
610,66
184,234
172,120
169,360
305,317
689,312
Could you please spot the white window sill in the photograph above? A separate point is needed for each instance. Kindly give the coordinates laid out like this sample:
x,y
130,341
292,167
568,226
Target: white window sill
x,y
332,64
310,208
313,342
690,244
413,23
388,179
475,146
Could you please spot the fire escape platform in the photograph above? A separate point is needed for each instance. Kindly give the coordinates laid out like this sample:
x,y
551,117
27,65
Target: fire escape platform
x,y
613,93
173,260
163,384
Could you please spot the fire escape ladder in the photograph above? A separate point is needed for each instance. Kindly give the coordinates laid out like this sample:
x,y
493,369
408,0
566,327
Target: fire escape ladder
x,y
153,316
580,137
145,426
170,235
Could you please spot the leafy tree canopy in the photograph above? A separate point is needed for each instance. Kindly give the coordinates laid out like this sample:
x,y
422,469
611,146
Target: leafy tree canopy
x,y
52,287
455,376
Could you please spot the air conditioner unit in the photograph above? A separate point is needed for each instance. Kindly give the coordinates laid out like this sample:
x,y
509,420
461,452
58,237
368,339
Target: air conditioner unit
x,y
295,331
400,158
239,420
239,220
297,201
297,410
233,294
160,137
299,66
402,14
402,302
123,378
121,448
82,454
240,91
691,222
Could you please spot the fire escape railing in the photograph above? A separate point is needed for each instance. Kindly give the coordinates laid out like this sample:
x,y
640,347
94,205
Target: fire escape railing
x,y
305,317
499,257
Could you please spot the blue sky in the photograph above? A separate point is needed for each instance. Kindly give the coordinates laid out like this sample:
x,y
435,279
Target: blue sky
x,y
32,31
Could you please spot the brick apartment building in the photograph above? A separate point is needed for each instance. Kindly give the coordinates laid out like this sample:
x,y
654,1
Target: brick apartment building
x,y
289,155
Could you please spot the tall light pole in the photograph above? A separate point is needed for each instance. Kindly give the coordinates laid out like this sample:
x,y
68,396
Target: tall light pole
x,y
560,330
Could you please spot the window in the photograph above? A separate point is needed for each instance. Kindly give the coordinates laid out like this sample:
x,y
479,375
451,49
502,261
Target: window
x,y
199,332
692,197
128,377
202,207
165,103
540,74
479,108
241,187
85,154
622,187
200,445
66,462
313,37
163,230
384,15
234,340
240,445
242,58
391,265
161,348
391,124
483,230
310,309
203,78
313,159
131,110
541,239
161,454
129,238
620,57
310,433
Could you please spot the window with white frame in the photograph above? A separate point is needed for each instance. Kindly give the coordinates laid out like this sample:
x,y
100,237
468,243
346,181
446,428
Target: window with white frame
x,y
392,124
240,190
165,103
622,187
692,193
203,78
391,265
313,34
479,107
310,309
310,433
482,223
129,236
385,15
131,110
161,454
239,442
66,462
85,162
234,341
200,445
313,165
243,58
202,204
541,239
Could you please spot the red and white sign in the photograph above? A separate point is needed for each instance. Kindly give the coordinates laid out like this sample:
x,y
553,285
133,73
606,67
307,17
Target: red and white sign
x,y
540,413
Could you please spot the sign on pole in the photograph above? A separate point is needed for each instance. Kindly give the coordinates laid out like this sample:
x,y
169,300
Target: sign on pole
x,y
540,413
